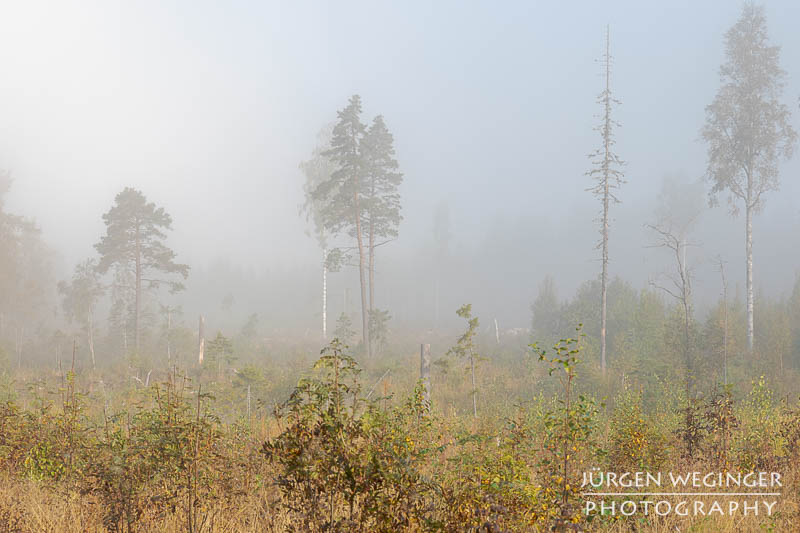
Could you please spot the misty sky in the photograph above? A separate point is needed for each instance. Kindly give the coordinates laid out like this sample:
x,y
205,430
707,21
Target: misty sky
x,y
208,107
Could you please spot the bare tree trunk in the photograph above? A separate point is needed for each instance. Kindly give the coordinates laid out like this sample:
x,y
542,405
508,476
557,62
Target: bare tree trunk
x,y
361,274
474,390
201,340
749,282
169,328
724,322
324,295
606,195
138,289
371,277
90,336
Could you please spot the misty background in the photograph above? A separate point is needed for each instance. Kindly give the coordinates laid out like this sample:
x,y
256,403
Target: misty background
x,y
208,109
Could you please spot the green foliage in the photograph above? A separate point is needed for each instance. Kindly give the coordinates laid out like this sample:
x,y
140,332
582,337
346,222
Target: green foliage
x,y
465,345
81,294
758,438
721,422
636,441
568,434
219,350
747,127
135,232
465,348
382,181
344,329
546,313
343,463
44,462
379,329
167,452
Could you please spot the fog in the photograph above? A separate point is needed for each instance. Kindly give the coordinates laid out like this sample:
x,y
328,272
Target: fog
x,y
208,108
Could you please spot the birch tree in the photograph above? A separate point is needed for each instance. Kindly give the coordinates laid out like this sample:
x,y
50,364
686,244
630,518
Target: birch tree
x,y
607,174
317,170
748,129
79,298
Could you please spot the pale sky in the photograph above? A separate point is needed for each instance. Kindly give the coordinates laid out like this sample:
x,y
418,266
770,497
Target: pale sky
x,y
208,107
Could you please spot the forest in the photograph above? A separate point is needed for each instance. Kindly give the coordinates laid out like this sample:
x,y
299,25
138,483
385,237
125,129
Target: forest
x,y
361,337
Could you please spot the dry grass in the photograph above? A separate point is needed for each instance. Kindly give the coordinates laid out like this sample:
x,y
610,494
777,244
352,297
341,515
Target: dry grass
x,y
28,506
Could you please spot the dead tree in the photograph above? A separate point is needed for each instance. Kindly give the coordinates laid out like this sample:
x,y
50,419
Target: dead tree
x,y
679,286
608,176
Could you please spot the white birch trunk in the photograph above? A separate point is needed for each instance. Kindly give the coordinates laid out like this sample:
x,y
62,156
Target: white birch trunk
x,y
201,341
324,295
90,336
749,283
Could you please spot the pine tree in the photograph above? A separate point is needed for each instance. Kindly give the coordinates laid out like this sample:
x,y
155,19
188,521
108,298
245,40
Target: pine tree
x,y
381,195
748,129
607,174
134,243
341,196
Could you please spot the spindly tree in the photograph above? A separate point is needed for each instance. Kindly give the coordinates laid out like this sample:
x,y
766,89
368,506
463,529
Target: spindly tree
x,y
680,206
748,129
465,348
80,296
607,173
134,243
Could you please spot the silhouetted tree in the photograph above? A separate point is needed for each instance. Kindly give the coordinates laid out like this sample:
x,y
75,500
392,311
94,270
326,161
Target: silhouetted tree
x,y
134,243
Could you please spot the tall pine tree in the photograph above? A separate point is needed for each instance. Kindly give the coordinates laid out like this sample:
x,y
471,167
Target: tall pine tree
x,y
134,244
381,195
361,195
340,197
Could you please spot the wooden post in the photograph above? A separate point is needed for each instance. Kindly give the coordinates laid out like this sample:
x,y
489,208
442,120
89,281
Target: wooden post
x,y
425,369
201,341
248,407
